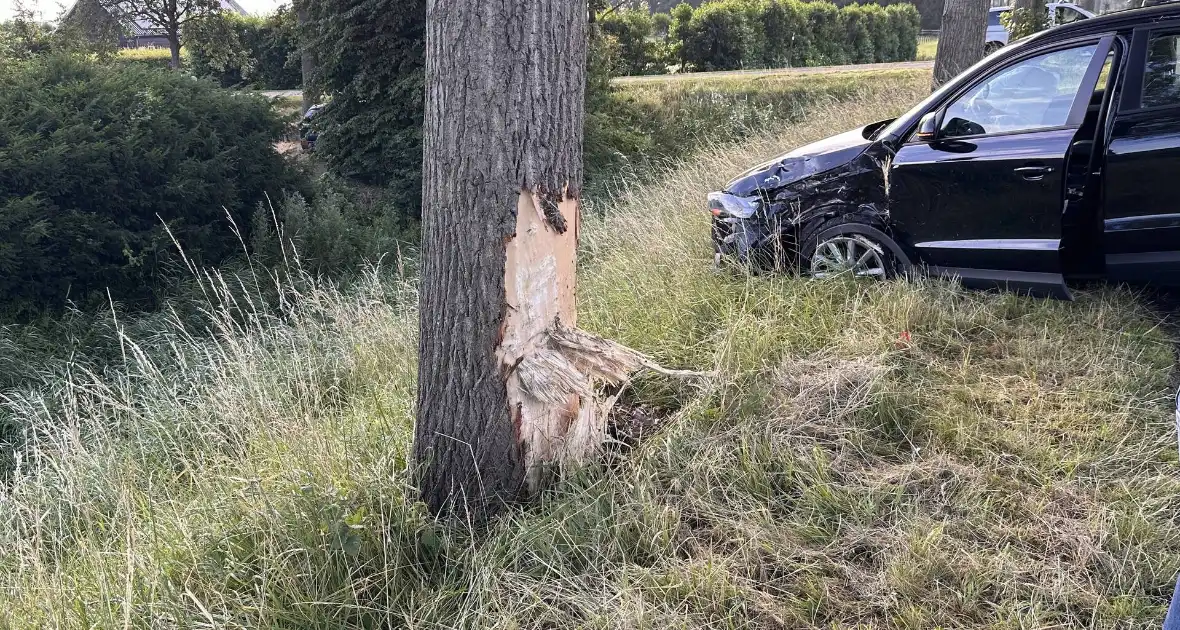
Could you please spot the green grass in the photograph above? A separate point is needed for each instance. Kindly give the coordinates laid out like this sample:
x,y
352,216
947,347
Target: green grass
x,y
927,47
1012,465
646,125
141,54
154,57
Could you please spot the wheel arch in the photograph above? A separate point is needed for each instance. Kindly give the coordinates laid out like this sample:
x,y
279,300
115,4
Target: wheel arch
x,y
864,229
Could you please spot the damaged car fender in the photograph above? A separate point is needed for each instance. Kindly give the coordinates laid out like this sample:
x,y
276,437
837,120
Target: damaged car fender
x,y
765,213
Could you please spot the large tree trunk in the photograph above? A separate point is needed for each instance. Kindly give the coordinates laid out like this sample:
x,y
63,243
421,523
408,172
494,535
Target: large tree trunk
x,y
499,396
174,47
961,39
306,57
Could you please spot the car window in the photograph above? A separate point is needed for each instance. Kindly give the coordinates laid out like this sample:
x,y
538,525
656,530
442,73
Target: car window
x,y
1161,84
1065,15
993,18
1036,93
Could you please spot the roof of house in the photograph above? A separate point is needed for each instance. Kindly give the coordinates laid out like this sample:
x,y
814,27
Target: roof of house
x,y
144,28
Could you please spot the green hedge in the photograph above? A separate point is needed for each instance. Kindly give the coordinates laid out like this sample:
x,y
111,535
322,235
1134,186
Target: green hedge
x,y
371,62
638,49
237,50
101,166
736,34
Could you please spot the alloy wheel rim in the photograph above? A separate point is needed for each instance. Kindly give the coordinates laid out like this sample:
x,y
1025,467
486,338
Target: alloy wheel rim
x,y
848,254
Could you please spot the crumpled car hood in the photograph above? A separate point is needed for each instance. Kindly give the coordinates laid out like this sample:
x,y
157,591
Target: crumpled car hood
x,y
800,163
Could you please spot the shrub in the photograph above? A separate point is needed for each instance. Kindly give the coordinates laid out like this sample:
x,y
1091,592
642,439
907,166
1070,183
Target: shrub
x,y
370,60
886,38
23,38
677,31
825,24
633,30
732,34
1024,22
929,11
100,167
236,50
333,231
860,46
721,36
905,21
784,25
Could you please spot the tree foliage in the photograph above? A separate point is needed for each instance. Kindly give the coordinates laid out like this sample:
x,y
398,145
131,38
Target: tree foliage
x,y
635,31
90,31
23,38
171,17
370,62
239,50
1025,19
101,167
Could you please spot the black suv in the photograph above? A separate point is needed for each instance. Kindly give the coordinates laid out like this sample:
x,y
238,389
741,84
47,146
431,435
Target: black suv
x,y
1047,162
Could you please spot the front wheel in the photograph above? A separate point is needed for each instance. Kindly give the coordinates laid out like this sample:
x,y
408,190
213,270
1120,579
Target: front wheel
x,y
850,253
991,47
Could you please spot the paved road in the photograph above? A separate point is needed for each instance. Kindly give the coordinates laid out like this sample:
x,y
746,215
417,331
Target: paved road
x,y
281,93
863,67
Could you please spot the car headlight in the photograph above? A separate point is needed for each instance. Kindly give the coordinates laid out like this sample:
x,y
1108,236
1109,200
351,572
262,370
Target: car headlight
x,y
727,205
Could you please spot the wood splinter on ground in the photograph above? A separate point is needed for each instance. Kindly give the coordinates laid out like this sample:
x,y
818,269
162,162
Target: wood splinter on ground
x,y
555,370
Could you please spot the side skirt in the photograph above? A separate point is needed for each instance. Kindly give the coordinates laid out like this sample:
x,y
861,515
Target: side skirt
x,y
1036,284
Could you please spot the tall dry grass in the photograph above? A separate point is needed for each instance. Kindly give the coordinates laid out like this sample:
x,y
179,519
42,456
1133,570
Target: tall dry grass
x,y
1008,463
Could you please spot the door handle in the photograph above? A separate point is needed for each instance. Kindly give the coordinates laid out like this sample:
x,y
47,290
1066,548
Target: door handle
x,y
1033,173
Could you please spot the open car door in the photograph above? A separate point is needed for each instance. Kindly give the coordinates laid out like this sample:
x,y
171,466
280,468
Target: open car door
x,y
982,197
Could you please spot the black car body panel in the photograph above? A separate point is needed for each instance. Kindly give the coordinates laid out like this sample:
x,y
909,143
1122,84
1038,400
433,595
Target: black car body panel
x,y
1050,160
801,163
308,134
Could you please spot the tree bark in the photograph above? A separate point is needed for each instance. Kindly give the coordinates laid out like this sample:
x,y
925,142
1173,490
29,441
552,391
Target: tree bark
x,y
307,58
961,39
174,47
499,397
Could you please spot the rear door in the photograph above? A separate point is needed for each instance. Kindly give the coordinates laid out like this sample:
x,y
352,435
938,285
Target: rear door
x,y
984,200
1141,181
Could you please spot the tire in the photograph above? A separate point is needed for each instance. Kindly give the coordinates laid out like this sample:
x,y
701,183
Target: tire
x,y
837,246
991,47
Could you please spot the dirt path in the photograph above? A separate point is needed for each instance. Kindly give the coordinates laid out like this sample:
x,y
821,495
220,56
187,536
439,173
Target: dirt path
x,y
863,67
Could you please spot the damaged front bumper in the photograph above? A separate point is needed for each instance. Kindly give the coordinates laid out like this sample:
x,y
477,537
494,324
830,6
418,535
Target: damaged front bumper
x,y
743,230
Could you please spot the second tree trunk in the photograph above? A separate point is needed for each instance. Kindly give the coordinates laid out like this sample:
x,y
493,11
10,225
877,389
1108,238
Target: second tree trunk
x,y
961,40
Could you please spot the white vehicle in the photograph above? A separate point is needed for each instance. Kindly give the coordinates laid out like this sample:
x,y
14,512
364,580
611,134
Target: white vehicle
x,y
1059,13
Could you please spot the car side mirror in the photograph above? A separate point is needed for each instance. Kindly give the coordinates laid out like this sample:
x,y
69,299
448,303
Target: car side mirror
x,y
928,127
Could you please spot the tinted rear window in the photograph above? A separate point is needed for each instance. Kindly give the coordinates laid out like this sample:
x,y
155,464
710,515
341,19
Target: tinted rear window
x,y
993,18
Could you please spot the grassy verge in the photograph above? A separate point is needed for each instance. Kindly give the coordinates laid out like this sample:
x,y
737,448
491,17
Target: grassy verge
x,y
1008,463
927,48
645,126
